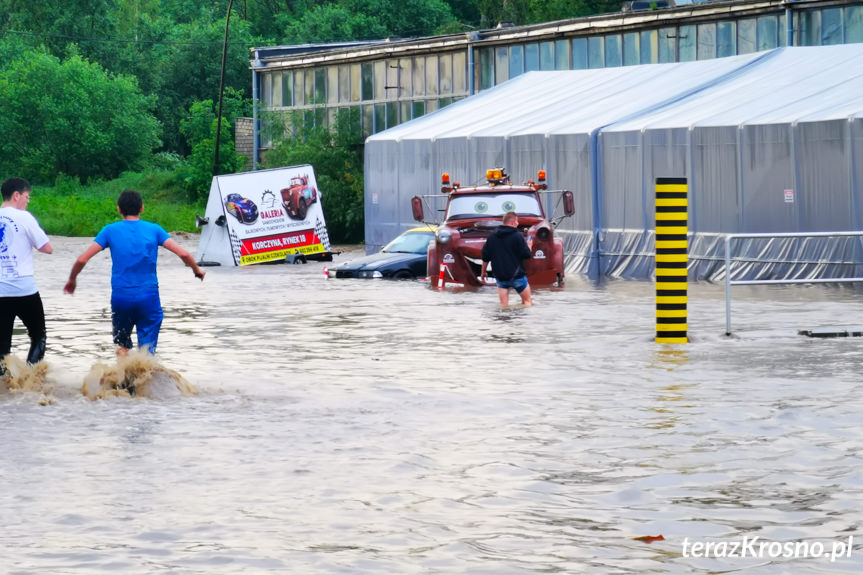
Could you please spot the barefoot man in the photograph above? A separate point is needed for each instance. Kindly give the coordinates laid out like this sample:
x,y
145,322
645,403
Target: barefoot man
x,y
507,249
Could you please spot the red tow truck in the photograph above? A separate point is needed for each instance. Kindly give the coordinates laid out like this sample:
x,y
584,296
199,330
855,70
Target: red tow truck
x,y
474,212
297,197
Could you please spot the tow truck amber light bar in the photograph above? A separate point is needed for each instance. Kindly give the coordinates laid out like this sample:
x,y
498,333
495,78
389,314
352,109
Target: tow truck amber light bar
x,y
445,187
540,175
496,176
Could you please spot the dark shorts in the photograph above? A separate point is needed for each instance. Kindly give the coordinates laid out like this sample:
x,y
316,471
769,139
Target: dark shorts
x,y
518,284
144,315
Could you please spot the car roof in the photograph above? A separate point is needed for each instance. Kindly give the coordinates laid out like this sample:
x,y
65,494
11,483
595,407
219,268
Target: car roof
x,y
428,228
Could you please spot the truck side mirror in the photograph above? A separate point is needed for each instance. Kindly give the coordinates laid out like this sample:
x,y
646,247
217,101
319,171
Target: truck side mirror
x,y
417,208
568,203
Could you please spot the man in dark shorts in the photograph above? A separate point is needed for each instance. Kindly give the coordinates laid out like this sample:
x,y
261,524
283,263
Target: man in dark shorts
x,y
507,249
20,234
134,245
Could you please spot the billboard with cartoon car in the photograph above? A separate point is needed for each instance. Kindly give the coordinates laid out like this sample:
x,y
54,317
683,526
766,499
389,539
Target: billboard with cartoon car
x,y
298,196
241,208
249,220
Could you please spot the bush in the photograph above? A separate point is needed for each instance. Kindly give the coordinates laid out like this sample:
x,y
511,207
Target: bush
x,y
199,128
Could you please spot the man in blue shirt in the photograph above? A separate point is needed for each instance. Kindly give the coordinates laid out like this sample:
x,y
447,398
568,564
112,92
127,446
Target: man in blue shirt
x,y
134,245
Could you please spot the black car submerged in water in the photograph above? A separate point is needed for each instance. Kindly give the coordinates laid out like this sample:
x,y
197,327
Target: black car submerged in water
x,y
403,258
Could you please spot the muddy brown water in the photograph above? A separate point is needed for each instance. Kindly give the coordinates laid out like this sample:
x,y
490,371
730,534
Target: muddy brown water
x,y
351,426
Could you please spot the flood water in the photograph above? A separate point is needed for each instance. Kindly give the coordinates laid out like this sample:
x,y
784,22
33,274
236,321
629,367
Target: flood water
x,y
366,427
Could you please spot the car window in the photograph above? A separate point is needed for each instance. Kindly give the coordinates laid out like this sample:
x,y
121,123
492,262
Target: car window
x,y
492,205
410,242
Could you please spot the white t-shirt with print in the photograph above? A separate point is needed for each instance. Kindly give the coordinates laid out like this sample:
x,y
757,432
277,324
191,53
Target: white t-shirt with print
x,y
19,235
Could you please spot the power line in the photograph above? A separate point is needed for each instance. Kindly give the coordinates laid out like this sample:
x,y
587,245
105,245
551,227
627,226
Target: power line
x,y
119,41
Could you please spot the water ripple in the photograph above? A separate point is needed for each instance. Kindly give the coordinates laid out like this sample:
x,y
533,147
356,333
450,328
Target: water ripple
x,y
368,427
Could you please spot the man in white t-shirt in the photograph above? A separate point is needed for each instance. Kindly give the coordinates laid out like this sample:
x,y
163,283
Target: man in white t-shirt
x,y
19,296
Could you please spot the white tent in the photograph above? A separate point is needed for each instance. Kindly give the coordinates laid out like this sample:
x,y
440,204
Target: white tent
x,y
769,142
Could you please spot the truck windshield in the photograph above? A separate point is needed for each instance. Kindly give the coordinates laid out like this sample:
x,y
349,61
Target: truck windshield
x,y
492,205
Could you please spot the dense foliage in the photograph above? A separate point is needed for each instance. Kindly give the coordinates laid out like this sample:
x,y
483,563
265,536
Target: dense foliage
x,y
199,128
337,158
92,89
71,117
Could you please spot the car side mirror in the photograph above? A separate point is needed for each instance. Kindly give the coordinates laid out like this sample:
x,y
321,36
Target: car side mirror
x,y
568,203
417,208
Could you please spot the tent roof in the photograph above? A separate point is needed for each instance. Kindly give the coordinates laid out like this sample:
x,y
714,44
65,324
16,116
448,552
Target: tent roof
x,y
791,85
785,85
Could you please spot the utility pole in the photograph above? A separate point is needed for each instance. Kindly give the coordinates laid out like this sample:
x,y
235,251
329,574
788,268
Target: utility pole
x,y
222,90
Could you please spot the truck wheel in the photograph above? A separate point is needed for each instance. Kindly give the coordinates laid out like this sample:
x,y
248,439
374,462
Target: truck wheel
x,y
301,208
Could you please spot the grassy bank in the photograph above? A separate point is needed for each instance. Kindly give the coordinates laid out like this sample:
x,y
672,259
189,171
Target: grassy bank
x,y
71,209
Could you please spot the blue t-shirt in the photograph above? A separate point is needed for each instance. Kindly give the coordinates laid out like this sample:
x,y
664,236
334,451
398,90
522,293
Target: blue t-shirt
x,y
134,246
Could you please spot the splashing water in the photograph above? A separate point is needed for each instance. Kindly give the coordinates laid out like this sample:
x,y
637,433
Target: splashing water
x,y
20,377
138,374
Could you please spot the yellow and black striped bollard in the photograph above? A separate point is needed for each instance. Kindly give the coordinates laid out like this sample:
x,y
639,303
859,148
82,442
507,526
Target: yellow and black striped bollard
x,y
671,260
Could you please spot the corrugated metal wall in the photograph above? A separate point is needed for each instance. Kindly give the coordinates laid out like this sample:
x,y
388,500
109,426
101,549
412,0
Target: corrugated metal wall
x,y
769,142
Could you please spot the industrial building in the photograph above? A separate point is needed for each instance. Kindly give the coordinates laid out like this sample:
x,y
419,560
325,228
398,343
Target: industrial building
x,y
756,103
393,80
768,142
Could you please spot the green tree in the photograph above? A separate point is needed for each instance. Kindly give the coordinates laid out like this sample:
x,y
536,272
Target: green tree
x,y
466,12
496,11
523,12
406,19
336,156
173,47
57,24
268,17
73,118
550,10
329,23
362,20
192,68
199,128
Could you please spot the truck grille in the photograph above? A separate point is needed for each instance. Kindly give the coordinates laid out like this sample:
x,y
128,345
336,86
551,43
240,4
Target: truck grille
x,y
476,266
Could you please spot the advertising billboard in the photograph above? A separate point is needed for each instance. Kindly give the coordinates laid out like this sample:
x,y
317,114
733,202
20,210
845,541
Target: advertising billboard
x,y
263,216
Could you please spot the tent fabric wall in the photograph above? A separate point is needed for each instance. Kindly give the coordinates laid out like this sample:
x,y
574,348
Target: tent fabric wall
x,y
769,142
855,127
